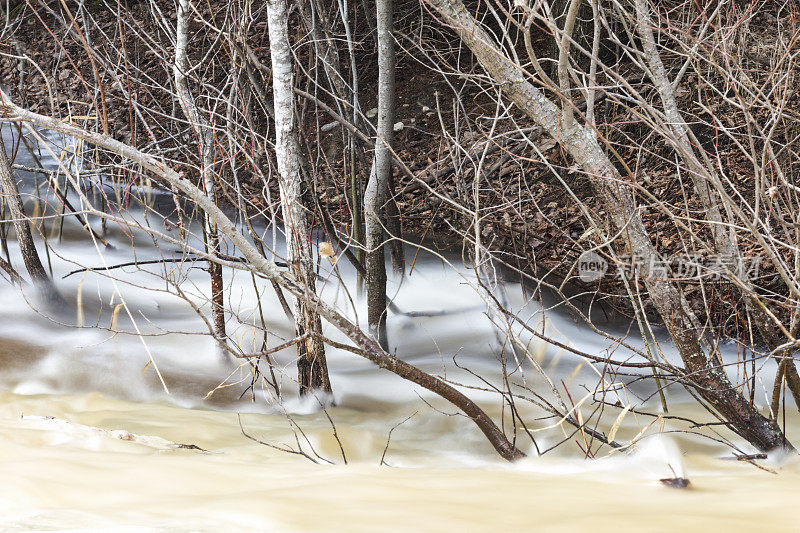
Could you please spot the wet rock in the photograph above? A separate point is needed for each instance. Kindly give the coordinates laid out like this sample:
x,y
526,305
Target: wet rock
x,y
676,482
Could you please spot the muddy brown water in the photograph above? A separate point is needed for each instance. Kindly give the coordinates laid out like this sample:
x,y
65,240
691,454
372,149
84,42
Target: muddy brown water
x,y
90,420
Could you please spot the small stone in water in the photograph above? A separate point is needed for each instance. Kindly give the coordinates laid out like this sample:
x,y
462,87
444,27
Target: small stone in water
x,y
398,126
675,482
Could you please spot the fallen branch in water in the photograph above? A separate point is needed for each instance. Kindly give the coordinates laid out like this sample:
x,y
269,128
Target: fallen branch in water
x,y
81,430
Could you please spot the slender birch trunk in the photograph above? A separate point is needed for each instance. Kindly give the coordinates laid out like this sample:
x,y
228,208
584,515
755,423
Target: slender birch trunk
x,y
205,145
378,186
579,28
312,368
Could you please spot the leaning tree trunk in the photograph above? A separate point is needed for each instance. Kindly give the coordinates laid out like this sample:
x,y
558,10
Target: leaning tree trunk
x,y
27,248
378,186
205,144
312,368
709,380
703,178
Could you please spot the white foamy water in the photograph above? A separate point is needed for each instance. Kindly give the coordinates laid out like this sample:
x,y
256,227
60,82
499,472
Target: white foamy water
x,y
93,416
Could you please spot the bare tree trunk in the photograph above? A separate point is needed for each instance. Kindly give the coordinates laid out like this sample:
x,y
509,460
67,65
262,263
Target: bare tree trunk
x,y
702,374
377,189
205,145
581,30
311,366
395,230
705,184
27,247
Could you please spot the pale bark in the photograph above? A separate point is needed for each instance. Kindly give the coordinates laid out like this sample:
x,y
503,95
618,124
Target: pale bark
x,y
205,145
311,365
701,373
377,189
577,27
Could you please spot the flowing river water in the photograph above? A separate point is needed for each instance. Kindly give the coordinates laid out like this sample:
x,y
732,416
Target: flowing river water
x,y
90,418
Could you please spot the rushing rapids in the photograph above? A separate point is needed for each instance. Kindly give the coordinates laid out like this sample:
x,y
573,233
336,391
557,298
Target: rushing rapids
x,y
131,416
